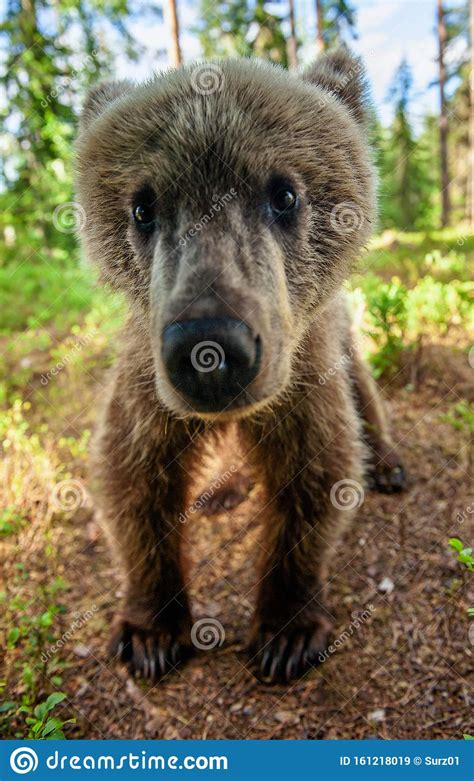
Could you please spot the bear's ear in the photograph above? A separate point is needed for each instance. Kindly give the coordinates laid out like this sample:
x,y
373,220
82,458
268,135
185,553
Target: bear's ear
x,y
342,74
101,97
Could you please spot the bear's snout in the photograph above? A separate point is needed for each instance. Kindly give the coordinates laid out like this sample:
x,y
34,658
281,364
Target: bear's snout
x,y
211,360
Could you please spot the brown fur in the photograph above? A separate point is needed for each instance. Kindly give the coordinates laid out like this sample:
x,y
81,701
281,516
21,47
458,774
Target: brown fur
x,y
303,434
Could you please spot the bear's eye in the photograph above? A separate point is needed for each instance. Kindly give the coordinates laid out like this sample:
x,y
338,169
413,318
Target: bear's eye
x,y
144,216
284,201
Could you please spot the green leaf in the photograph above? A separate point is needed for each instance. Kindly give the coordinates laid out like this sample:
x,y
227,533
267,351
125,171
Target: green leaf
x,y
6,706
41,710
13,635
57,735
52,725
46,619
468,737
54,699
456,544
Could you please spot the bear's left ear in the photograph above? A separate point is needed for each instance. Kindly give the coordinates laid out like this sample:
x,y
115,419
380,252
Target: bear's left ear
x,y
342,74
101,97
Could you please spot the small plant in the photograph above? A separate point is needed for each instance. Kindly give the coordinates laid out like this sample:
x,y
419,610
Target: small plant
x,y
461,417
464,554
387,308
466,558
11,522
42,725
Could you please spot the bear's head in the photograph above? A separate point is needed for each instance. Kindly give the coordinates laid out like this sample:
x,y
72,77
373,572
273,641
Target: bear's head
x,y
228,200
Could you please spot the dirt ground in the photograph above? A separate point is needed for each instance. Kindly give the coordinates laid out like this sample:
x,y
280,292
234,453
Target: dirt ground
x,y
402,663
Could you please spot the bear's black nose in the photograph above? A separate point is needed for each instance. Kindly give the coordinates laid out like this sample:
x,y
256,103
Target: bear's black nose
x,y
210,360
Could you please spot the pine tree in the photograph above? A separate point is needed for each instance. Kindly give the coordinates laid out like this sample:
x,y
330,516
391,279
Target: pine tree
x,y
53,54
443,116
407,181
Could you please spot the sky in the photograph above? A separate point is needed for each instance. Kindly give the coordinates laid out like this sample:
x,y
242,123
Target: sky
x,y
388,30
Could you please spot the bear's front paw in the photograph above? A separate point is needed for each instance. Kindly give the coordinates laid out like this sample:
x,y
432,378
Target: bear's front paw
x,y
280,656
149,653
388,478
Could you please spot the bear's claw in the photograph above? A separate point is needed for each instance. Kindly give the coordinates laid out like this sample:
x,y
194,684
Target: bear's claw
x,y
280,657
148,653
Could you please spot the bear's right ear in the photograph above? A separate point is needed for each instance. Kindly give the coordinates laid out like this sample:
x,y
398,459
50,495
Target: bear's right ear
x,y
342,74
101,97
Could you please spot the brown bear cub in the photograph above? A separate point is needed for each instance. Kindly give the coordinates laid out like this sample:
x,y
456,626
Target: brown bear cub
x,y
230,205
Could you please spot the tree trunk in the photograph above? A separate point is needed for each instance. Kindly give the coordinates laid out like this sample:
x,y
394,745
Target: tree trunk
x,y
174,49
319,26
443,118
471,116
292,44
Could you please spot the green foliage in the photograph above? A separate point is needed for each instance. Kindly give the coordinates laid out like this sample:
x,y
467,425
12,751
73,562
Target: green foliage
x,y
427,304
464,554
462,417
409,181
238,28
52,54
43,726
339,21
26,642
10,521
387,309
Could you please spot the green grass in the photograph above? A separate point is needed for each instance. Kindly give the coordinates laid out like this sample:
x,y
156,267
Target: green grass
x,y
446,255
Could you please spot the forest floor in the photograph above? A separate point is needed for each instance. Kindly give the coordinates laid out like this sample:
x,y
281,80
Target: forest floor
x,y
401,671
403,657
